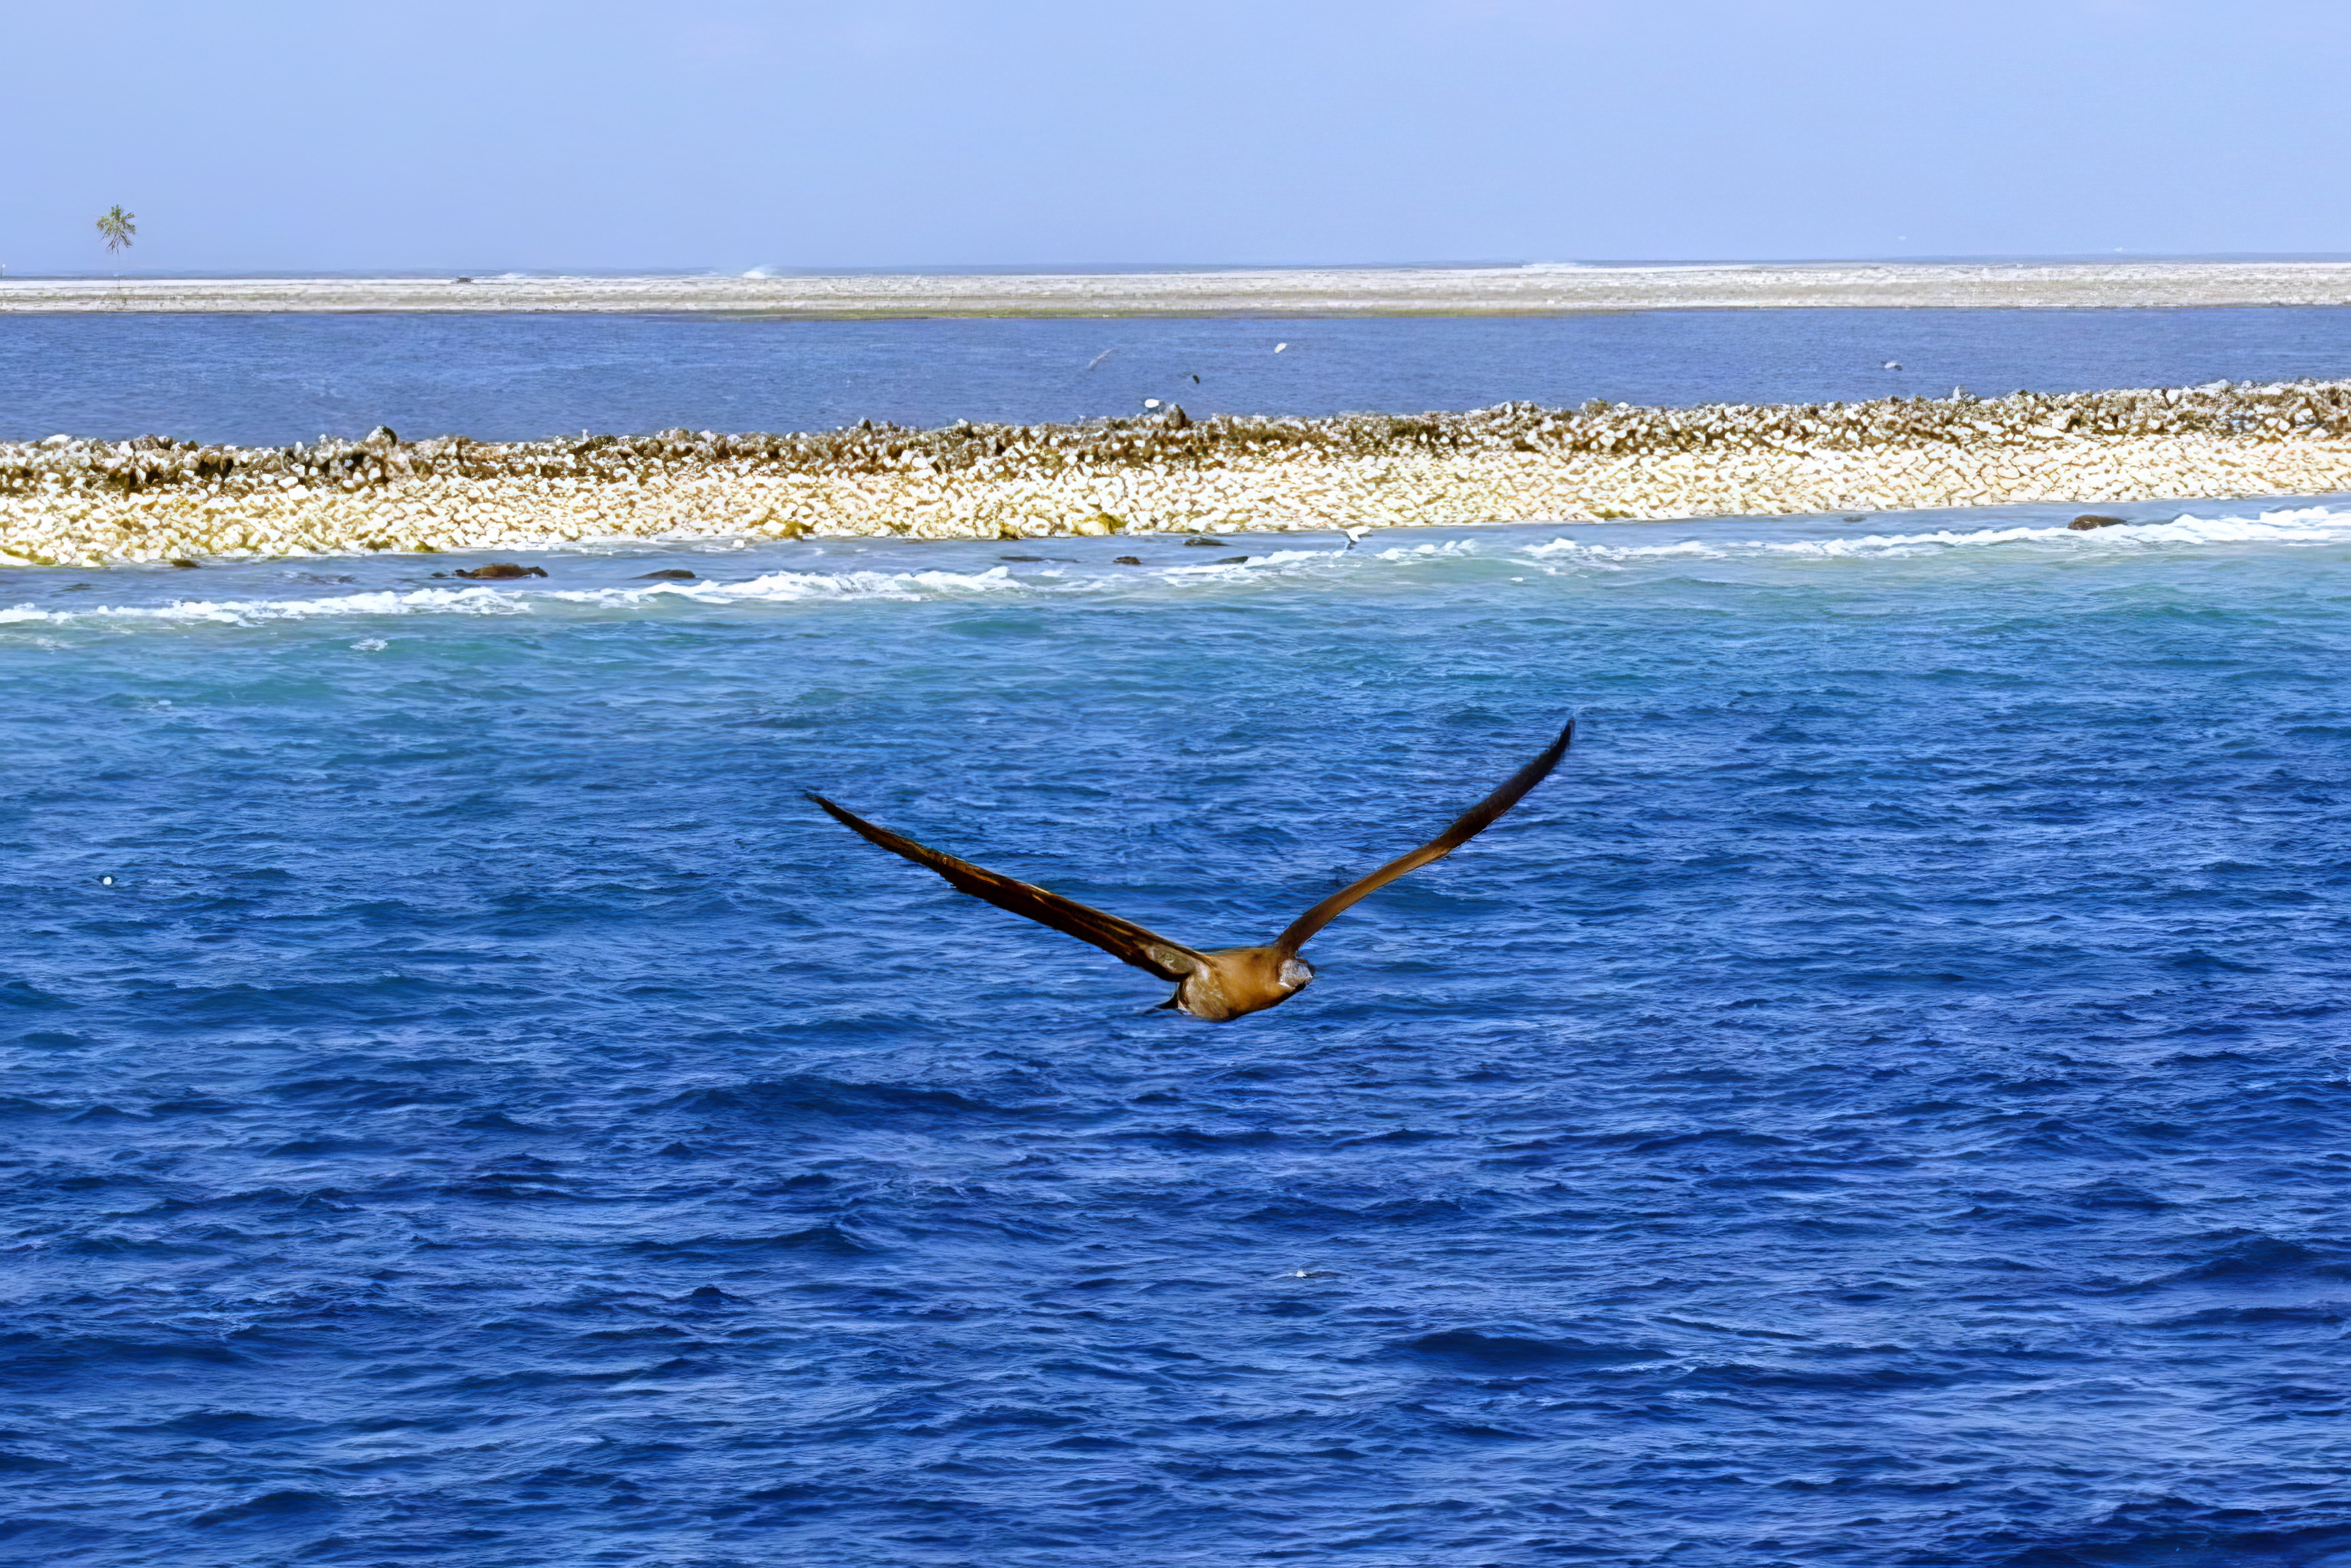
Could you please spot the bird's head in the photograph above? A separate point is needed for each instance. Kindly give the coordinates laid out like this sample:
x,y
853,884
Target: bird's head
x,y
1296,974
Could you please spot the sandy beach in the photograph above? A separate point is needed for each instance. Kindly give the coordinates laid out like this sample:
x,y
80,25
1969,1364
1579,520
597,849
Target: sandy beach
x,y
1539,290
86,503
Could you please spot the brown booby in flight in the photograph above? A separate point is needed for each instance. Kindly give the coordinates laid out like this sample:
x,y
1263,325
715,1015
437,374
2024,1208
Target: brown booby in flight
x,y
1229,981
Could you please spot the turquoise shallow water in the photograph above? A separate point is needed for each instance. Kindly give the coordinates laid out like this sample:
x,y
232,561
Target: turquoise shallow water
x,y
1883,1101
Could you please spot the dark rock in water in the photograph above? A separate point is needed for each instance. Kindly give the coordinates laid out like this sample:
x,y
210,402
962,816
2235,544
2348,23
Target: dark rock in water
x,y
2096,521
1229,560
1178,419
183,563
1202,541
502,571
1020,557
1126,560
672,574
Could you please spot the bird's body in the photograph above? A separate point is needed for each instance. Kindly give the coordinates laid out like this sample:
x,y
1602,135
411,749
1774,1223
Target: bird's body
x,y
1232,981
1221,983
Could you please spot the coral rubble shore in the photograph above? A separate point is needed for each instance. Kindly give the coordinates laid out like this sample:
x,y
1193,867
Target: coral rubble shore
x,y
65,501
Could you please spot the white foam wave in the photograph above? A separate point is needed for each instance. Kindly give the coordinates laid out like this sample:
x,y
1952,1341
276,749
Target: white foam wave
x,y
793,586
780,587
1593,549
2299,526
250,612
1428,551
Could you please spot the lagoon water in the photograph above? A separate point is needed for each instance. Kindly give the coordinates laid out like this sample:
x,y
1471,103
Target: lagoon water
x,y
1883,1102
269,380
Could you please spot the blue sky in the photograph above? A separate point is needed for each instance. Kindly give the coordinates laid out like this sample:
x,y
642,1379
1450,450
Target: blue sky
x,y
725,133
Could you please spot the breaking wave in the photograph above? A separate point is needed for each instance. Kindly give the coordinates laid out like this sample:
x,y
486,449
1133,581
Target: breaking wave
x,y
2298,526
1090,571
781,587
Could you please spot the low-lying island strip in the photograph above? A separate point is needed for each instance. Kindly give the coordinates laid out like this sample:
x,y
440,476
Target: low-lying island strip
x,y
1535,290
66,501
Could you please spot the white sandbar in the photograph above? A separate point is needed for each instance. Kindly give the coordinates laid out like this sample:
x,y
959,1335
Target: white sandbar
x,y
1531,290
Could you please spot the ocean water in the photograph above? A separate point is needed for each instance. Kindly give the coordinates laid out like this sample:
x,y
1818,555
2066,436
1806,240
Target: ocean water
x,y
1885,1101
271,379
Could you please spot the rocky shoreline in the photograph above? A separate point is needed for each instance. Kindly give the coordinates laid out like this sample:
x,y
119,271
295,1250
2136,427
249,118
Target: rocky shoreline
x,y
72,502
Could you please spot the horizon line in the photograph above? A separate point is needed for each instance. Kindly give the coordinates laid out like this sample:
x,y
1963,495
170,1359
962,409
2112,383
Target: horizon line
x,y
1079,268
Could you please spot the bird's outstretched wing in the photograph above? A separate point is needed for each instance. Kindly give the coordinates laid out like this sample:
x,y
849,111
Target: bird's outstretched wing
x,y
1475,821
1120,939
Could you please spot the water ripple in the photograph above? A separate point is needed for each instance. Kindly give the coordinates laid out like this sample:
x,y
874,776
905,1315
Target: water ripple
x,y
1881,1101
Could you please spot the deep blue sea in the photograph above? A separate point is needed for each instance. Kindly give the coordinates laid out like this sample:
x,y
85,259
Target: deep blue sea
x,y
1886,1100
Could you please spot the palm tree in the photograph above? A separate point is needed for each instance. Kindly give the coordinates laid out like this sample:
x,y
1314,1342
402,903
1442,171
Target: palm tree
x,y
118,226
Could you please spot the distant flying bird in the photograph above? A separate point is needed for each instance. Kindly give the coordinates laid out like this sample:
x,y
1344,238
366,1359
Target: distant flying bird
x,y
1225,982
